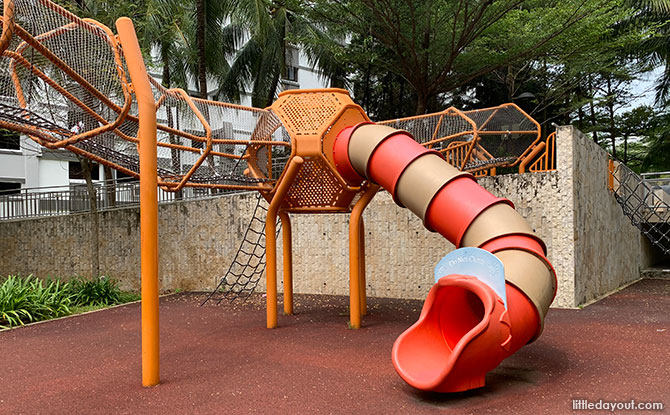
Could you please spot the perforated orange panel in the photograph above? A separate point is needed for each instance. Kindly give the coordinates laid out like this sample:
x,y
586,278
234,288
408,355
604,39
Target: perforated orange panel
x,y
313,118
306,114
316,187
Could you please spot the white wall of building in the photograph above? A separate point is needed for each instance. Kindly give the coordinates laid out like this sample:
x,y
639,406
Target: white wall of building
x,y
12,166
53,173
308,78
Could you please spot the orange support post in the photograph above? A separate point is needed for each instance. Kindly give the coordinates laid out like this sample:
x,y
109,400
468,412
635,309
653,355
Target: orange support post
x,y
610,174
356,279
148,201
361,269
288,262
271,239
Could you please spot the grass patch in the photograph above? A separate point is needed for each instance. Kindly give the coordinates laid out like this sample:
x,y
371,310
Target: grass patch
x,y
30,299
78,309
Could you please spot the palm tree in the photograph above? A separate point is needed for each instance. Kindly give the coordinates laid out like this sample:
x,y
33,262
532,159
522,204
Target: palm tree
x,y
656,13
211,43
264,33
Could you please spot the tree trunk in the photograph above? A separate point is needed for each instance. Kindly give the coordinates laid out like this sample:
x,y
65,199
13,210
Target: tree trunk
x,y
592,112
176,156
200,39
366,89
625,149
273,88
610,114
110,186
93,200
421,103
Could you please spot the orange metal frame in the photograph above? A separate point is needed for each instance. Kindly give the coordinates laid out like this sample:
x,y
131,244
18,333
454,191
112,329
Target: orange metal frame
x,y
311,184
542,158
460,153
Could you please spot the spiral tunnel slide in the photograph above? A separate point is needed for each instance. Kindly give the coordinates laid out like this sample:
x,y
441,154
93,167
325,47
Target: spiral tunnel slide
x,y
464,329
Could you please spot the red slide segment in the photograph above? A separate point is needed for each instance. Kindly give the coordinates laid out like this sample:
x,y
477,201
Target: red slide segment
x,y
464,330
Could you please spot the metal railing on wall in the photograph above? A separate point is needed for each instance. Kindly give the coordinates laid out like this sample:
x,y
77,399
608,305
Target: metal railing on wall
x,y
645,199
74,198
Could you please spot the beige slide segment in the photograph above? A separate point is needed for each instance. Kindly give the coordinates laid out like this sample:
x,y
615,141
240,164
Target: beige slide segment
x,y
360,150
532,275
422,179
495,221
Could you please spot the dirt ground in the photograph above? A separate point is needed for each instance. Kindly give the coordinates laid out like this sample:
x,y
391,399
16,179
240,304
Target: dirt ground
x,y
222,360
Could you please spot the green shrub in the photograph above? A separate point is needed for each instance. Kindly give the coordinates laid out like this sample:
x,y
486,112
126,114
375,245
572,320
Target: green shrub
x,y
101,291
23,300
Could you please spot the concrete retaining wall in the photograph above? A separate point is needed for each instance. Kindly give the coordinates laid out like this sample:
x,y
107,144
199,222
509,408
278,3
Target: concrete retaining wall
x,y
590,243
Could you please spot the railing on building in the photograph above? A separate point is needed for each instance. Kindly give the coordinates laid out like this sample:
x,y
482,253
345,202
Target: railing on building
x,y
74,198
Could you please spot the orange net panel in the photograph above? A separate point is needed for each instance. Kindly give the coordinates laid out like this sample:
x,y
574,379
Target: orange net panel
x,y
477,141
505,131
63,82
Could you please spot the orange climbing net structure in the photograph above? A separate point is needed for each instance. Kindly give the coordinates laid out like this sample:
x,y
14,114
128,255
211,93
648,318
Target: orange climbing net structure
x,y
479,141
64,83
68,82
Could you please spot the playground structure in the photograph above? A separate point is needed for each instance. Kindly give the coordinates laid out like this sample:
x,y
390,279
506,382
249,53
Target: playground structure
x,y
65,84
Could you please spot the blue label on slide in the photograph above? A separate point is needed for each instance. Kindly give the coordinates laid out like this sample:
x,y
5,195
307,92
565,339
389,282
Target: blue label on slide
x,y
477,263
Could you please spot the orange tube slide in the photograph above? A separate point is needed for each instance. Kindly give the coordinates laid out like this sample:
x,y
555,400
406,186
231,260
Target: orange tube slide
x,y
464,329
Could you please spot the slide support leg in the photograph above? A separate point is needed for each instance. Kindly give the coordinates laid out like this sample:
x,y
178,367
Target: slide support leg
x,y
271,239
361,269
288,262
355,251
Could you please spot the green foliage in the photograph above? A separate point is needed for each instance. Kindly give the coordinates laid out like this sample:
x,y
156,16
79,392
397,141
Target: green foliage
x,y
24,300
264,34
439,46
29,299
101,291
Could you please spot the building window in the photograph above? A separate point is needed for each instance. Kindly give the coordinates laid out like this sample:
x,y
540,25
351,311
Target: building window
x,y
9,140
292,64
76,172
9,188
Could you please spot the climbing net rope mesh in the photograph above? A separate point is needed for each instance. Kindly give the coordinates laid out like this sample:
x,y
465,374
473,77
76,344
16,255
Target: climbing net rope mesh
x,y
248,265
475,140
64,83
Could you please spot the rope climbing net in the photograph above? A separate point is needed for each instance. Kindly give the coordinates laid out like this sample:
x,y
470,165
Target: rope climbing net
x,y
64,84
476,140
248,265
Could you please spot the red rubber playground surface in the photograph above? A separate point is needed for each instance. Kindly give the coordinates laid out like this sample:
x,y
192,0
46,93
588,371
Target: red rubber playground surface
x,y
222,360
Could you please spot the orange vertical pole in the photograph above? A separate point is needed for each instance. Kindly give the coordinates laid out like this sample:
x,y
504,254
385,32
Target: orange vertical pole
x,y
361,269
148,201
355,252
288,262
610,174
271,239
